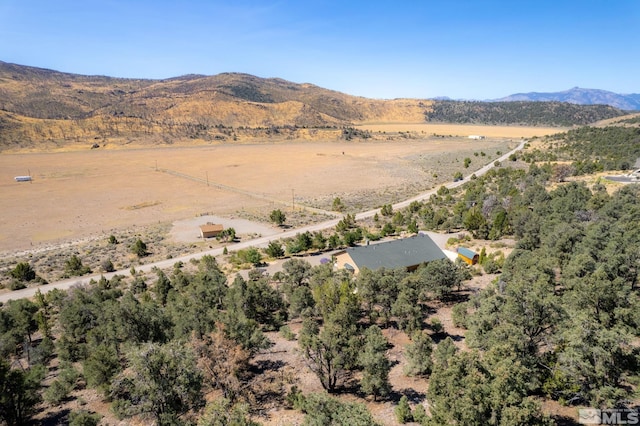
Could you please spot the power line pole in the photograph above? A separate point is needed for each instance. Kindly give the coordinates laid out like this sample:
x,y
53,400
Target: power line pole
x,y
293,201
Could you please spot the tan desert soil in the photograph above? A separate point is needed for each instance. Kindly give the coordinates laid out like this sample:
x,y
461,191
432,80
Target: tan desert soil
x,y
88,194
187,230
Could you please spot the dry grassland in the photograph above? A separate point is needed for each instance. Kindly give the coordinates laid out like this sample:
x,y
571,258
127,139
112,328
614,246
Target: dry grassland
x,y
616,121
462,130
93,192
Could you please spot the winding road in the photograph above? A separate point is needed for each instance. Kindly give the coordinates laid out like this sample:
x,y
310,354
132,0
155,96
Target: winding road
x,y
257,242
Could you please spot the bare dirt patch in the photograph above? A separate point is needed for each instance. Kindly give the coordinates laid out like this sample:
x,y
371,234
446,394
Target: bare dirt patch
x,y
187,230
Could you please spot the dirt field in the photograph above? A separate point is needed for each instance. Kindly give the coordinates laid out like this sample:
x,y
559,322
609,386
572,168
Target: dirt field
x,y
187,230
92,193
463,130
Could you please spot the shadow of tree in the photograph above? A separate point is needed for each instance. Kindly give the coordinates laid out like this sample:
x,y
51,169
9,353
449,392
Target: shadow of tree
x,y
57,418
439,337
564,421
413,395
266,365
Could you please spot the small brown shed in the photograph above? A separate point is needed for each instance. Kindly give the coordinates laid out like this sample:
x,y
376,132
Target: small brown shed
x,y
210,230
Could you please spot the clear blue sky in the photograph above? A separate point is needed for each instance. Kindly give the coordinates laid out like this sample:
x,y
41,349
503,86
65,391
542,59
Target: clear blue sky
x,y
473,49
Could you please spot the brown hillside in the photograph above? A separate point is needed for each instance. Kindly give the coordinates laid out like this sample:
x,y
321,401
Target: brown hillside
x,y
44,108
41,93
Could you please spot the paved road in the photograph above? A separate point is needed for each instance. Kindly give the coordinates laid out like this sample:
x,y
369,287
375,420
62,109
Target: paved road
x,y
258,242
622,179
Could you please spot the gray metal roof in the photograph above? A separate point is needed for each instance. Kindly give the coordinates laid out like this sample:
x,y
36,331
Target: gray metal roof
x,y
397,253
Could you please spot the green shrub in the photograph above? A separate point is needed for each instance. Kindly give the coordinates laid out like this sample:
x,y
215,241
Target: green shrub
x,y
57,392
23,272
285,331
74,267
418,354
491,266
107,265
17,285
420,415
322,409
295,399
84,418
436,325
459,315
139,248
403,411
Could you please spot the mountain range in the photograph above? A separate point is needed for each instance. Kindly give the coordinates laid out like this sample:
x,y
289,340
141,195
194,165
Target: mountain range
x,y
580,96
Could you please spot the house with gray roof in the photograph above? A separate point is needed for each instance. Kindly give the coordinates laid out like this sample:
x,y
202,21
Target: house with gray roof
x,y
403,253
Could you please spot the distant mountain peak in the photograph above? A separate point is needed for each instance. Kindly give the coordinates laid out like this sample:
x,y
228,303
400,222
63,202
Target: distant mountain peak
x,y
580,96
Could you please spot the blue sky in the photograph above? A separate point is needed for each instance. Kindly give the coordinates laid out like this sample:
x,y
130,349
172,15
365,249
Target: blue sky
x,y
379,49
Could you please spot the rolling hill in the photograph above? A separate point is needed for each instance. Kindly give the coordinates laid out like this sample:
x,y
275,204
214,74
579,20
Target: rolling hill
x,y
46,94
44,107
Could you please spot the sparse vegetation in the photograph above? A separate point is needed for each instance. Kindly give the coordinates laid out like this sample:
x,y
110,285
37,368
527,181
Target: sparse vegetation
x,y
23,272
107,265
337,205
403,411
349,133
139,248
74,267
278,217
275,250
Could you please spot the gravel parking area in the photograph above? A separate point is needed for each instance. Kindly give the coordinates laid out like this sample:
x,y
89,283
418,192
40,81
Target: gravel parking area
x,y
188,231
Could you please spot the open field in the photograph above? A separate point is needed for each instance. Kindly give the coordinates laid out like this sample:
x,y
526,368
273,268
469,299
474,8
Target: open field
x,y
463,130
91,193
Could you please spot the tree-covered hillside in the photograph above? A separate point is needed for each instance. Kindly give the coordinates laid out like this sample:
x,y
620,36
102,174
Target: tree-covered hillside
x,y
592,149
520,113
565,307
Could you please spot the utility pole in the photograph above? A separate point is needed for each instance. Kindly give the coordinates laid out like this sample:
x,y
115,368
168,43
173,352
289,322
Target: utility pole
x,y
293,201
207,177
